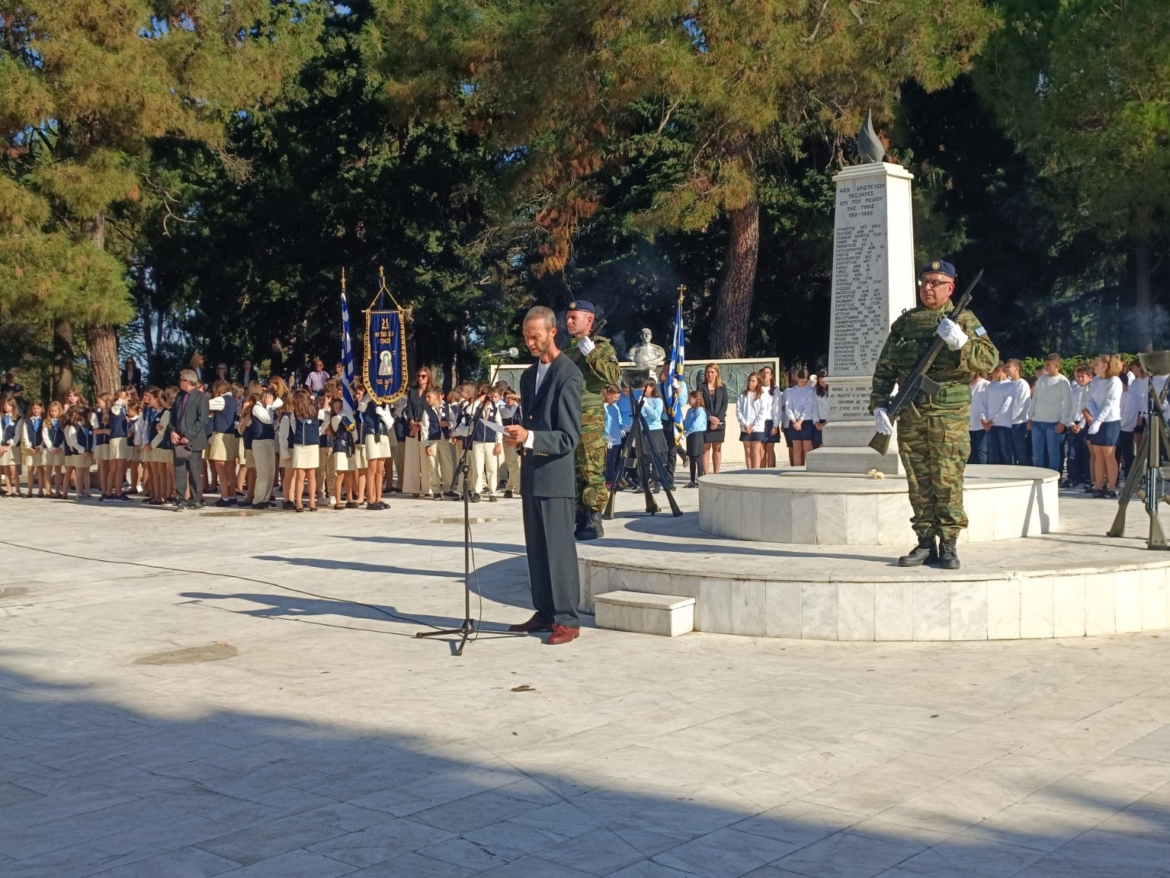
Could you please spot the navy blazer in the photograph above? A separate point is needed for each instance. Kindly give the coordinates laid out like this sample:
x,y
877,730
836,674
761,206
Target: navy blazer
x,y
554,415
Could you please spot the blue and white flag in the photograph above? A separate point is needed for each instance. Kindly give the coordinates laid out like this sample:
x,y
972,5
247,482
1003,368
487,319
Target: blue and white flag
x,y
674,404
346,353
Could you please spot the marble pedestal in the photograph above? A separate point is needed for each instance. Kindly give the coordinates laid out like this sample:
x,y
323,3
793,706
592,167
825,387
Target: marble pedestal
x,y
794,506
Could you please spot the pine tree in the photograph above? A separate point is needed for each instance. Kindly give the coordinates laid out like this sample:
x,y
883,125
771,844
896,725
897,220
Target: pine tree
x,y
85,90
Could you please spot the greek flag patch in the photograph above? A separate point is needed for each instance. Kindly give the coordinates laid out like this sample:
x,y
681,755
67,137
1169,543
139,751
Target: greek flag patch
x,y
979,330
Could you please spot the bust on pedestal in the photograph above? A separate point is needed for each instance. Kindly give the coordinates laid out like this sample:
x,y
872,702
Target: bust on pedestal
x,y
873,283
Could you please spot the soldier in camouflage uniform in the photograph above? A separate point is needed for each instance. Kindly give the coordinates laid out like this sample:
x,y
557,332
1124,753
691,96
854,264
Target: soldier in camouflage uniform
x,y
598,362
933,437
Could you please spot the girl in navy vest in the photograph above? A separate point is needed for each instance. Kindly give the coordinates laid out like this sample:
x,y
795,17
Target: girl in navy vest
x,y
79,438
55,440
100,422
222,450
163,472
358,455
431,432
264,415
326,467
119,445
32,447
376,424
9,443
487,446
147,429
510,414
341,446
305,446
134,440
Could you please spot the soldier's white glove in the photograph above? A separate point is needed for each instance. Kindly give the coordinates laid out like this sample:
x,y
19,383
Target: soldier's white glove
x,y
950,332
881,422
585,345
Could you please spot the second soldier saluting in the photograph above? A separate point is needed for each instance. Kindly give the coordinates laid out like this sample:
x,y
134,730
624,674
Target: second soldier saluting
x,y
598,362
933,434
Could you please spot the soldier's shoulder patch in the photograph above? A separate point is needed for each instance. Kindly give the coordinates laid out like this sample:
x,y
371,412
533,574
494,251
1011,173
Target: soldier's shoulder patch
x,y
979,330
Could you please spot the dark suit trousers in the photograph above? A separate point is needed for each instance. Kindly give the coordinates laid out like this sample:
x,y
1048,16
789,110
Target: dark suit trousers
x,y
190,470
552,558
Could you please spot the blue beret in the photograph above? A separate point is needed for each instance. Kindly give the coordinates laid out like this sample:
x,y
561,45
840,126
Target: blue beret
x,y
582,305
938,267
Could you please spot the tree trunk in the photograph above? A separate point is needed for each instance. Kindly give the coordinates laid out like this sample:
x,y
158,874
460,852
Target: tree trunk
x,y
1143,323
733,310
62,358
102,341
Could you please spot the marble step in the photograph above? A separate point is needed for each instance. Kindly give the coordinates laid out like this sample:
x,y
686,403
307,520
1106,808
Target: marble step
x,y
663,614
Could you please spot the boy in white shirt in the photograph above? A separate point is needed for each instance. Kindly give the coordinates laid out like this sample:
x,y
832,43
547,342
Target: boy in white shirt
x,y
1022,398
1050,413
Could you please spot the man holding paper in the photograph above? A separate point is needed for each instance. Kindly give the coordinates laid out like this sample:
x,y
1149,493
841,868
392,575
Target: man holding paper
x,y
550,399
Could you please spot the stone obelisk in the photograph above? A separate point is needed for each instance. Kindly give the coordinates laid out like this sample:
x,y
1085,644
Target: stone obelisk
x,y
873,283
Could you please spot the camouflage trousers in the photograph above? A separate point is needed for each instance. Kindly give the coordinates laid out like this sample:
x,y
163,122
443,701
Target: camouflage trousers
x,y
934,444
589,461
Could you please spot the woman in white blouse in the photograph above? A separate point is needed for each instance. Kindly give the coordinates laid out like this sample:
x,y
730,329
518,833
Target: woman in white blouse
x,y
753,417
1102,413
800,405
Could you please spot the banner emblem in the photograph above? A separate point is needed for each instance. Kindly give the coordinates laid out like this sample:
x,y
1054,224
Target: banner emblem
x,y
385,364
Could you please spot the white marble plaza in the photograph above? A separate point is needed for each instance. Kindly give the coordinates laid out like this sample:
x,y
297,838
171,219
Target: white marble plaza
x,y
326,740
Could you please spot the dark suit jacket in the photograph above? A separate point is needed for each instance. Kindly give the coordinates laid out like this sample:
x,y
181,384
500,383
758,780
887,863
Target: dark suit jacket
x,y
193,424
554,415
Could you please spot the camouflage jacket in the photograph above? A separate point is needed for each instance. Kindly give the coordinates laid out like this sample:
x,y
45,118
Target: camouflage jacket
x,y
911,335
599,368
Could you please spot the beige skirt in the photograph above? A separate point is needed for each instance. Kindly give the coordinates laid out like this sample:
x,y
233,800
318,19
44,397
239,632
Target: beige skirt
x,y
101,452
357,460
55,457
31,457
119,449
8,456
306,456
223,447
377,447
342,462
249,459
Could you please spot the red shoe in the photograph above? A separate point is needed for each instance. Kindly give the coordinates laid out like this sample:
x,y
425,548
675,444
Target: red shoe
x,y
562,634
536,624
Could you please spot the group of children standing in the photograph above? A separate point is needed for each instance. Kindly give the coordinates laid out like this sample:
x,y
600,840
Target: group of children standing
x,y
264,439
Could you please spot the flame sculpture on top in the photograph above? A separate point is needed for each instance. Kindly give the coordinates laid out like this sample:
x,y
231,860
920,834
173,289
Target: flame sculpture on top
x,y
869,145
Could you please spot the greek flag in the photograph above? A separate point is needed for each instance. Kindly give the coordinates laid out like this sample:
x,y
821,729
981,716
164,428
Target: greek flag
x,y
674,404
346,352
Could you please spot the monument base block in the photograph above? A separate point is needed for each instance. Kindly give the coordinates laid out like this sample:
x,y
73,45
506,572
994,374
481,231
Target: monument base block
x,y
854,461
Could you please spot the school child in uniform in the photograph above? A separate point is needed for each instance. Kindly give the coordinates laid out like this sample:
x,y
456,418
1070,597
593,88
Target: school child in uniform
x,y
55,443
395,465
800,403
326,471
265,416
224,446
822,408
752,417
487,446
449,447
247,459
118,455
694,426
148,419
431,433
160,443
510,413
652,409
1133,402
999,404
100,423
614,434
359,463
10,430
33,450
133,431
377,422
339,431
304,440
768,391
79,436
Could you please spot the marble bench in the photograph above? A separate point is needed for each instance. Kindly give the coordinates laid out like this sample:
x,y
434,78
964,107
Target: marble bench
x,y
641,613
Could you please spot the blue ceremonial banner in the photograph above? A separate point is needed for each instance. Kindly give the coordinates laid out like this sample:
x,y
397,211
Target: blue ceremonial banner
x,y
385,365
346,351
674,405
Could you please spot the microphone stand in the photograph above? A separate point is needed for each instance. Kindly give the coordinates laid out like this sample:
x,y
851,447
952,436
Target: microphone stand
x,y
468,627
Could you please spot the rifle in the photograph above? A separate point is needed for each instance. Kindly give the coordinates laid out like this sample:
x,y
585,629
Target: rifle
x,y
917,381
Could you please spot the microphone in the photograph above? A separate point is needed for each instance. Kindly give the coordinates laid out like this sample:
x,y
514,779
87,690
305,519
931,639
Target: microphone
x,y
508,352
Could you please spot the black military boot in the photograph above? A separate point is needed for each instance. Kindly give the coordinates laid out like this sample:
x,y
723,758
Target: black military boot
x,y
582,516
593,528
921,554
948,555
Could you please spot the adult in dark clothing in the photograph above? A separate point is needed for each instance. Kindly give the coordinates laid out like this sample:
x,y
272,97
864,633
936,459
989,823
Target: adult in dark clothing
x,y
14,389
550,399
189,418
131,375
715,402
248,374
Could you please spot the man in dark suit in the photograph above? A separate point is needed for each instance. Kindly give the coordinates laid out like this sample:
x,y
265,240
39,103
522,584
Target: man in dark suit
x,y
550,399
189,416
